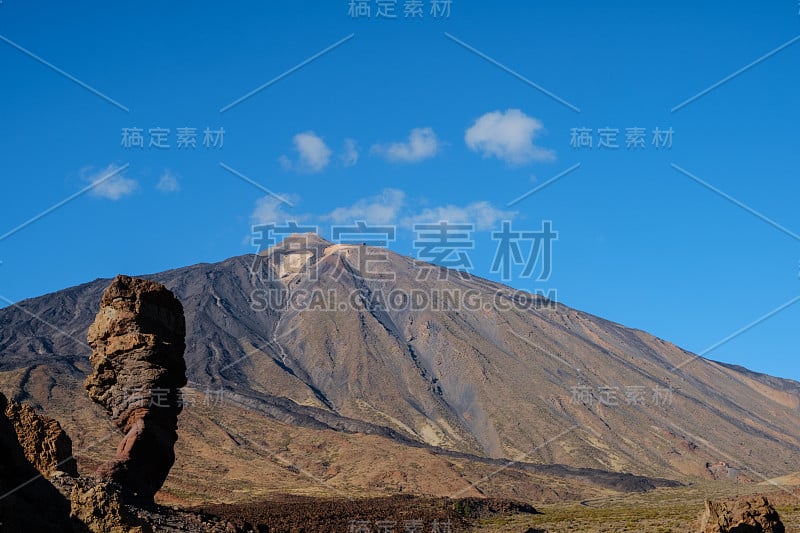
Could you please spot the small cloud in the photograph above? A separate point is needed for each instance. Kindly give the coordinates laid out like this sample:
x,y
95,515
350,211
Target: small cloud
x,y
350,155
110,183
271,210
313,154
380,209
508,136
168,183
483,214
422,144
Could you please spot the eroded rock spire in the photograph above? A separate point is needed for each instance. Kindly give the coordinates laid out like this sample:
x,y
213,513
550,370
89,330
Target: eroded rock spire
x,y
137,342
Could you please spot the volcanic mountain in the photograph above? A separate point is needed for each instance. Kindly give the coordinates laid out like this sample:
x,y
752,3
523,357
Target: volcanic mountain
x,y
347,369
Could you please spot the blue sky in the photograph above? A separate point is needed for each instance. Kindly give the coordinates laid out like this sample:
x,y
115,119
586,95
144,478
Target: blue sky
x,y
404,121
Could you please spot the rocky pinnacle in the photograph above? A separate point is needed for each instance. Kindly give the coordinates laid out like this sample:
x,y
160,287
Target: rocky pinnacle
x,y
137,342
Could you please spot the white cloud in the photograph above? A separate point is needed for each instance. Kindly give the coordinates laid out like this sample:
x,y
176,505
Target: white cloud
x,y
483,214
390,207
350,155
381,209
168,182
313,154
422,144
112,188
508,136
271,210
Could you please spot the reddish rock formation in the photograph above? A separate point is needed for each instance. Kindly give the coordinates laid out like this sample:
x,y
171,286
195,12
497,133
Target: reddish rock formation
x,y
46,445
137,342
743,515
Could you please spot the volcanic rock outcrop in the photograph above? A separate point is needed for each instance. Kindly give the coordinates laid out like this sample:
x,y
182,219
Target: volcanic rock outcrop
x,y
743,515
46,445
28,502
138,342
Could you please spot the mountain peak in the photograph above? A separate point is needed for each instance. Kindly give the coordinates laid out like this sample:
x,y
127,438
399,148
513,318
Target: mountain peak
x,y
310,237
298,242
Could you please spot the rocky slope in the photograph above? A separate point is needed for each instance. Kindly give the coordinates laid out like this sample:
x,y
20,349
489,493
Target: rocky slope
x,y
478,374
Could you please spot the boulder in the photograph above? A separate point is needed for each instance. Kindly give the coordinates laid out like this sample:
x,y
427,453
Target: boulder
x,y
742,515
97,506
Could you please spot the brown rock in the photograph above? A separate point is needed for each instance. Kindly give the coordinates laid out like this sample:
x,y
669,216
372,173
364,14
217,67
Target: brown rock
x,y
743,515
97,506
46,445
137,342
28,502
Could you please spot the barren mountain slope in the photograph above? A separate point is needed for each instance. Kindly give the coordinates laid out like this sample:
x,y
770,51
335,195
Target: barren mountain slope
x,y
482,375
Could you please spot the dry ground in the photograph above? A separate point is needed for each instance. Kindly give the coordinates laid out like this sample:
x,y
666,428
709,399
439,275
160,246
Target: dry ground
x,y
659,511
